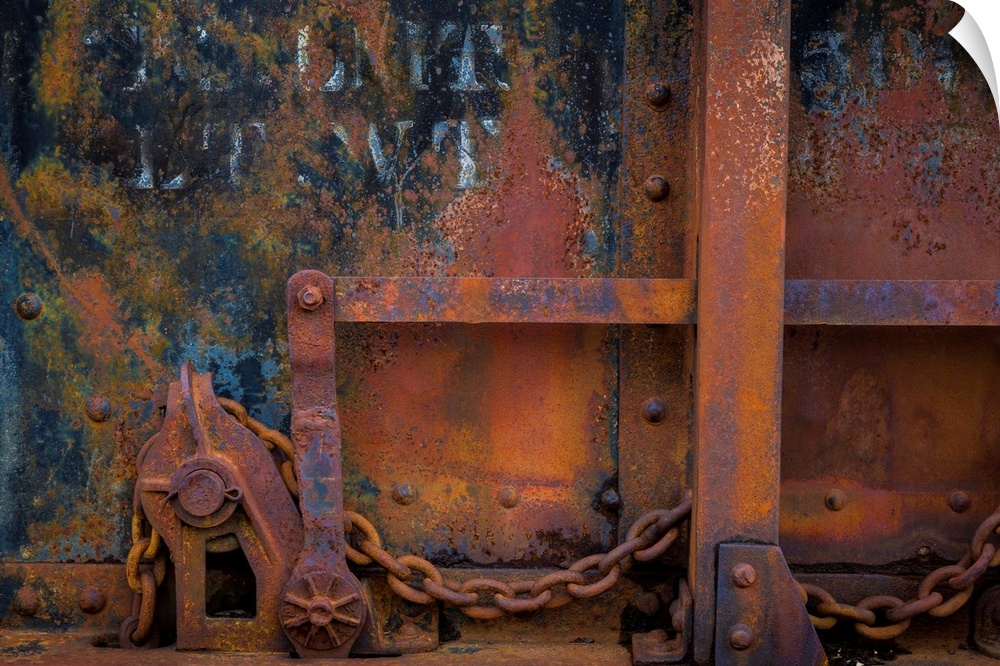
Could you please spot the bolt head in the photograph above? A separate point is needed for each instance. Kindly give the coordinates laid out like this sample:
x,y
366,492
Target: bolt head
x,y
835,499
959,501
26,602
98,408
92,600
310,298
923,551
743,575
404,494
28,306
656,188
658,96
508,496
740,637
654,411
609,499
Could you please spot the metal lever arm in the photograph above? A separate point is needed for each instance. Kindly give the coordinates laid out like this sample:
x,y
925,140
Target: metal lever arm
x,y
324,608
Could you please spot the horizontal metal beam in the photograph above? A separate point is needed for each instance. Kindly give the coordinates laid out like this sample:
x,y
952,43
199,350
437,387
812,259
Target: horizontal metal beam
x,y
893,302
654,301
476,300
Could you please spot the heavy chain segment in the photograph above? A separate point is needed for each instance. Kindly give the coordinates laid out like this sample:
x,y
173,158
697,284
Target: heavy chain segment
x,y
486,598
145,569
883,617
648,538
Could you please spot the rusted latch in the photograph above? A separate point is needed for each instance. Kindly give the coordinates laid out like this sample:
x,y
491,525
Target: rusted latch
x,y
323,607
210,488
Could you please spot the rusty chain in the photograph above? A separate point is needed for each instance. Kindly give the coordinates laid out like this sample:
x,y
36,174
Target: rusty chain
x,y
145,569
826,611
648,538
485,598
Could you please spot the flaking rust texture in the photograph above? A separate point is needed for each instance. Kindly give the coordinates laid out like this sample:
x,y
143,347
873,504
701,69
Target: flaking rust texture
x,y
166,167
893,170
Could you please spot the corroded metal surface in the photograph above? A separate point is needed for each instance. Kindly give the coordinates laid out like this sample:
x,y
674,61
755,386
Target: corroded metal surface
x,y
737,384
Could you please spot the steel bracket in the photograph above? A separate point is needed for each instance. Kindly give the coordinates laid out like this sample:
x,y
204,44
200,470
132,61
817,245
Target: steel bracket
x,y
760,617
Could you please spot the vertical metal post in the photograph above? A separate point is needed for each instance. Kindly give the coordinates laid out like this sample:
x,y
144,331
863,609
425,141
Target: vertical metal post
x,y
744,62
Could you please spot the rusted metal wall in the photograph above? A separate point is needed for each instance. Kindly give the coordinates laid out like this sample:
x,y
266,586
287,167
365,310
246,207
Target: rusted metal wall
x,y
892,176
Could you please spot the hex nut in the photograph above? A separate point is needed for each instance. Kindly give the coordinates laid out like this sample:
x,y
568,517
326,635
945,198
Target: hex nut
x,y
310,298
28,306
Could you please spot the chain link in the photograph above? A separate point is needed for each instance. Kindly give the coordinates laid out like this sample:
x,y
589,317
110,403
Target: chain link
x,y
485,598
271,438
882,617
145,569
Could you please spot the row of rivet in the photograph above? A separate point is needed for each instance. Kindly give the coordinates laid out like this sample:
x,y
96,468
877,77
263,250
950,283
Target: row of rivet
x,y
959,500
90,599
656,187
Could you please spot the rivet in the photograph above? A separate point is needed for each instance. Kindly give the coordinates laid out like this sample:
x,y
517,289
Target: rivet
x,y
959,501
740,637
404,494
656,188
310,298
743,575
658,96
648,603
654,411
91,599
98,408
26,602
508,496
835,499
28,306
923,551
609,499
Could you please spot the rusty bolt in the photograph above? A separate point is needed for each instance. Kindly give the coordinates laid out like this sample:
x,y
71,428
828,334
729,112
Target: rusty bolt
x,y
508,496
310,298
26,602
656,188
835,499
658,96
648,603
740,637
923,551
98,408
91,599
654,411
609,499
28,306
743,575
404,494
959,501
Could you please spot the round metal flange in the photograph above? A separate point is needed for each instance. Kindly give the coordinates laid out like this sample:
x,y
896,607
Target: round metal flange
x,y
321,610
204,492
